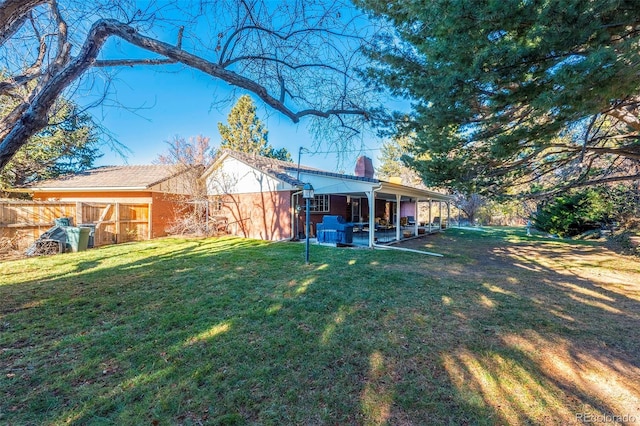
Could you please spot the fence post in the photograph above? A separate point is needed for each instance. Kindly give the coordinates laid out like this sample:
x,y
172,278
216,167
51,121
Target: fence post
x,y
149,221
117,220
78,215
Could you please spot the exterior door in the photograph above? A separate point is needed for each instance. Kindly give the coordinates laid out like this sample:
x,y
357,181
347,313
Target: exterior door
x,y
355,210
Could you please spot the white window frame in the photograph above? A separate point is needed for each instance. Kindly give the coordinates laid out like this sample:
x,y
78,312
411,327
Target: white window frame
x,y
322,201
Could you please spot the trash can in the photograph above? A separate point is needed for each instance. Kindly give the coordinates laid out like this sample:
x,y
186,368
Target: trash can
x,y
77,238
92,233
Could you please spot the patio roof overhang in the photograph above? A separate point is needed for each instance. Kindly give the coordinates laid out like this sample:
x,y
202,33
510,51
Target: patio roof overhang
x,y
359,187
391,190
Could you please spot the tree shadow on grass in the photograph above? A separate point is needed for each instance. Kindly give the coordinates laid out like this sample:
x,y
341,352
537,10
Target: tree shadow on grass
x,y
557,323
237,331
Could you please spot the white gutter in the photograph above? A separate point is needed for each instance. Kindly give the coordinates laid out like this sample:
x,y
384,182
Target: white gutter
x,y
414,192
293,215
92,189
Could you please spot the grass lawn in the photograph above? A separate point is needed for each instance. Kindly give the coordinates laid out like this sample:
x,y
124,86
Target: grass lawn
x,y
505,329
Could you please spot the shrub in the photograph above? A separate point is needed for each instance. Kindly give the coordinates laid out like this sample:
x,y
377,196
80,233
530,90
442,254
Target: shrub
x,y
576,212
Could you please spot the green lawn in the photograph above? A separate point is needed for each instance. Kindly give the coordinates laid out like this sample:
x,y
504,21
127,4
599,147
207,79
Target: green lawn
x,y
505,329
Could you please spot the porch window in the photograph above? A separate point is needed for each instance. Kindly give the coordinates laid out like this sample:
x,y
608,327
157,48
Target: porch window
x,y
320,204
215,205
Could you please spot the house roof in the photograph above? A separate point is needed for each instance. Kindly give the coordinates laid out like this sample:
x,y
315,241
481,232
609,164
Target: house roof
x,y
110,177
287,172
276,168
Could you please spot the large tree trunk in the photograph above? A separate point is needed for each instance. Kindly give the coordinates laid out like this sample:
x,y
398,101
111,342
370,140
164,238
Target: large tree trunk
x,y
34,117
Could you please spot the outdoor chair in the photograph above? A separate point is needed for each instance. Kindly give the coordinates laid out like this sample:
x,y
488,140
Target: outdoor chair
x,y
411,221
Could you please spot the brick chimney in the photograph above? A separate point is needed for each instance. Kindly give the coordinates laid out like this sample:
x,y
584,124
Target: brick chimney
x,y
364,167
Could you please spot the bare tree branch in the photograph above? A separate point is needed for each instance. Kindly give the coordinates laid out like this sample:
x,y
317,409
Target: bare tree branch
x,y
625,116
594,182
33,117
259,67
13,14
132,62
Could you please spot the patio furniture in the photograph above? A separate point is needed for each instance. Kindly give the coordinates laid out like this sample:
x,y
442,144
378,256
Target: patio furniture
x,y
334,229
382,224
411,221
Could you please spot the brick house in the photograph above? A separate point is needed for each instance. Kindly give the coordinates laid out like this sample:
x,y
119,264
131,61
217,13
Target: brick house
x,y
123,202
261,197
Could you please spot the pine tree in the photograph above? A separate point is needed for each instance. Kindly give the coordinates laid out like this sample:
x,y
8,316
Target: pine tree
x,y
392,155
70,144
515,95
246,133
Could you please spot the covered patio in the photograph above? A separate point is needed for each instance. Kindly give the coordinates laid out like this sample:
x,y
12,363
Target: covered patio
x,y
394,214
387,236
381,212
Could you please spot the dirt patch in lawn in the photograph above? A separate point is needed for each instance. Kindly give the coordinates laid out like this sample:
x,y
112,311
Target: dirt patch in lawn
x,y
568,311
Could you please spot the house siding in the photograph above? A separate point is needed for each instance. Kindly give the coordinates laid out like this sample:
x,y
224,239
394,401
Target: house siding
x,y
235,177
408,209
95,196
265,215
164,211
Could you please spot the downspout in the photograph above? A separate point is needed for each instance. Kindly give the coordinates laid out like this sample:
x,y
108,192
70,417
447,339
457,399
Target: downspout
x,y
293,215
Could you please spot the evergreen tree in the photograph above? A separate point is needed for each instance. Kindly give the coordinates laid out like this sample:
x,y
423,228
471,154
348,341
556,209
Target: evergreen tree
x,y
70,144
392,156
246,133
511,93
575,212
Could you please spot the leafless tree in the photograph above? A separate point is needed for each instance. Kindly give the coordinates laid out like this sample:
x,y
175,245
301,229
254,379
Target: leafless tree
x,y
298,56
470,204
191,204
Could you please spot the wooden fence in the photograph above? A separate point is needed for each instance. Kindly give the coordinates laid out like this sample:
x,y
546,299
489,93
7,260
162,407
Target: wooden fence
x,y
22,222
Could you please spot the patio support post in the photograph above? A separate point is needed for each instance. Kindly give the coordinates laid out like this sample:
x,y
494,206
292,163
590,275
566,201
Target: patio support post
x,y
416,222
448,214
430,218
398,217
440,215
306,231
371,195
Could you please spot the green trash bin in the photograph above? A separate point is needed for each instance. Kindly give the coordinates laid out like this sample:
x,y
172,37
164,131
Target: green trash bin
x,y
77,238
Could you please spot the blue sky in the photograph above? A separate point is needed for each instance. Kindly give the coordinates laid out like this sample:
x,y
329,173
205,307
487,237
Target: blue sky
x,y
148,105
